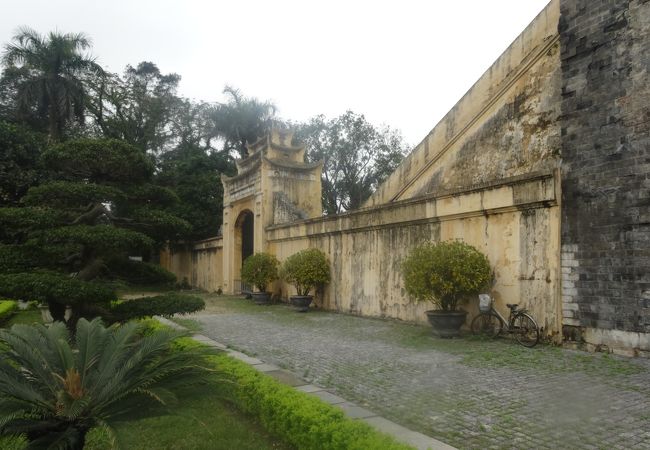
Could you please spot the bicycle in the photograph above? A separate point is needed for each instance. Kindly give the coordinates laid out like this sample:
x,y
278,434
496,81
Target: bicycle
x,y
520,323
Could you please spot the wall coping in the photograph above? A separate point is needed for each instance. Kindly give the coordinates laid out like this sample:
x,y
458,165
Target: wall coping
x,y
212,242
482,187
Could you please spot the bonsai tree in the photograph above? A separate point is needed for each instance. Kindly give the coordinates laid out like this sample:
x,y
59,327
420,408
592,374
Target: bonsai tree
x,y
259,270
95,206
306,270
445,273
56,388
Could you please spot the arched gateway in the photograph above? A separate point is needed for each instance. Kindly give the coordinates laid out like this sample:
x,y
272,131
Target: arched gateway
x,y
244,245
273,185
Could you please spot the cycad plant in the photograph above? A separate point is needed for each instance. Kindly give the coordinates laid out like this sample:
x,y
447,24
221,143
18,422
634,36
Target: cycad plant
x,y
54,389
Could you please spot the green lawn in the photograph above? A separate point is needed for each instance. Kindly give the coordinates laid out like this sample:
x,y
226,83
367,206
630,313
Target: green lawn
x,y
206,422
28,317
191,324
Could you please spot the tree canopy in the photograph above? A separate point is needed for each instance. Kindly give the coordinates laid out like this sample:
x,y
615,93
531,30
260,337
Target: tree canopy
x,y
20,149
139,108
240,120
95,207
357,157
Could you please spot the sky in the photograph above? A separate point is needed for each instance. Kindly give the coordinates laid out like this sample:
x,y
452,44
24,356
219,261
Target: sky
x,y
400,63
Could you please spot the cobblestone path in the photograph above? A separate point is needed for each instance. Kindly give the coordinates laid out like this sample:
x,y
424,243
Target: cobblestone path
x,y
469,393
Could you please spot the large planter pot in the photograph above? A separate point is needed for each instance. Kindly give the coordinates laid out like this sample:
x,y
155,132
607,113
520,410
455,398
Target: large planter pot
x,y
446,324
301,302
261,298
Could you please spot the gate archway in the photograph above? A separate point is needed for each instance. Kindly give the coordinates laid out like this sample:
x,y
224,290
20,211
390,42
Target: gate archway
x,y
244,246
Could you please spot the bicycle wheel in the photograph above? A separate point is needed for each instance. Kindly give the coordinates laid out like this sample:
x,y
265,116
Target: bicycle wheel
x,y
525,330
487,324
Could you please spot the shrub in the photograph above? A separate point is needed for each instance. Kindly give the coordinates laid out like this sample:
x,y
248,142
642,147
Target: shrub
x,y
51,287
159,305
25,257
184,285
445,273
260,269
7,309
56,388
137,272
306,270
301,420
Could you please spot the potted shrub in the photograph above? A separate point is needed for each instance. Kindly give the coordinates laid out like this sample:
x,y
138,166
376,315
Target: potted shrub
x,y
305,270
445,274
259,270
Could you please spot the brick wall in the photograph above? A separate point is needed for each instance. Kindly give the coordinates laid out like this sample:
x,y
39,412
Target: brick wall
x,y
605,123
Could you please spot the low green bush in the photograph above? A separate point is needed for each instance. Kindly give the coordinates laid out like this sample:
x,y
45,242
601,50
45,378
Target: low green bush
x,y
159,305
47,287
7,309
301,420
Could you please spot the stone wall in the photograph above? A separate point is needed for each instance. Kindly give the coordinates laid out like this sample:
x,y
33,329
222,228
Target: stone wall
x,y
200,263
605,122
514,222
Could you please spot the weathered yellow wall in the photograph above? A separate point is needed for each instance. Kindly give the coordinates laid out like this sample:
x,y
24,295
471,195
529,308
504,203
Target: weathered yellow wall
x,y
515,223
201,264
207,265
178,260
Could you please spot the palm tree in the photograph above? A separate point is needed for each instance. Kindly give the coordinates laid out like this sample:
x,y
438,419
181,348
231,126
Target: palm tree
x,y
53,392
240,120
50,71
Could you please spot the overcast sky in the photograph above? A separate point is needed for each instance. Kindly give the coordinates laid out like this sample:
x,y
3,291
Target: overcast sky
x,y
402,63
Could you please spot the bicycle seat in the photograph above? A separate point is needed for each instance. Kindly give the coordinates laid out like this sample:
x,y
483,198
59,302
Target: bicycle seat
x,y
512,305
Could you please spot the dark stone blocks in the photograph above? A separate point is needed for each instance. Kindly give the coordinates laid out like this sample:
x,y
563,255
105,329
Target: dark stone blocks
x,y
605,153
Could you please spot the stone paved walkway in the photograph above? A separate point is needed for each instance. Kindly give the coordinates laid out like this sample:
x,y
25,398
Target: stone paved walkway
x,y
469,393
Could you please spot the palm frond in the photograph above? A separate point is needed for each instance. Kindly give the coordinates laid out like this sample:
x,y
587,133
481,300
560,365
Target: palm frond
x,y
90,340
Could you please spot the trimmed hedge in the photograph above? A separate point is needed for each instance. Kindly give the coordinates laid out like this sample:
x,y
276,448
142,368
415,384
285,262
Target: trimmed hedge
x,y
7,309
137,272
159,305
46,287
299,419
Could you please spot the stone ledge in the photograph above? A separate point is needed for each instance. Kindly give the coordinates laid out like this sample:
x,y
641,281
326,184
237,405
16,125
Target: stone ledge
x,y
418,440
